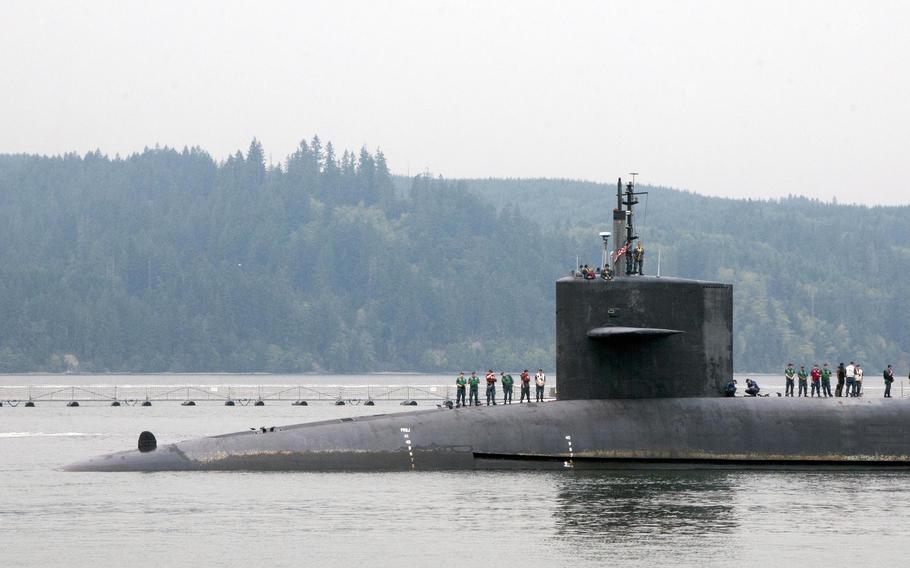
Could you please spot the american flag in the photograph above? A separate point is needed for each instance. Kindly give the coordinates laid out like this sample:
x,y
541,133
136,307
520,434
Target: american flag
x,y
621,251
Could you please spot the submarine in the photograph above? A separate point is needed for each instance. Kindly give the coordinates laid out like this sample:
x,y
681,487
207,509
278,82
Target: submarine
x,y
642,363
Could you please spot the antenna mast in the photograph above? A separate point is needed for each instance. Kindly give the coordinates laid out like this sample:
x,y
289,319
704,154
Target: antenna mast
x,y
623,223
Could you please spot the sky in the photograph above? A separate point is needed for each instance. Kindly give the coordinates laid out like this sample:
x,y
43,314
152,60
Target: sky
x,y
737,99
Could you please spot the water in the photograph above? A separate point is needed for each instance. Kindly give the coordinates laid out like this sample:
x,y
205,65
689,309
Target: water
x,y
646,518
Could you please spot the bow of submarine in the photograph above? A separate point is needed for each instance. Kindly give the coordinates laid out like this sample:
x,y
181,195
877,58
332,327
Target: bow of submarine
x,y
431,439
165,458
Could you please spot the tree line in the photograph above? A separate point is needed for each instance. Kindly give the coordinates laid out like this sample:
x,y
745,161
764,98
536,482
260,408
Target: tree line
x,y
169,260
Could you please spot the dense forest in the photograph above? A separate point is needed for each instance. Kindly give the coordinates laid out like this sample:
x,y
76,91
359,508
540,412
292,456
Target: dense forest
x,y
169,260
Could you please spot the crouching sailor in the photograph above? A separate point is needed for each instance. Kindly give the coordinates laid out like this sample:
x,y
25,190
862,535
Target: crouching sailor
x,y
730,389
752,388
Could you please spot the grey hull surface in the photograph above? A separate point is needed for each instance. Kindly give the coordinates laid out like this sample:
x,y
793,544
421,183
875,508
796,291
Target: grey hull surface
x,y
671,432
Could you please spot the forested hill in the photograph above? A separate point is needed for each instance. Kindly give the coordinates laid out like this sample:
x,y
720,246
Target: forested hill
x,y
170,261
813,281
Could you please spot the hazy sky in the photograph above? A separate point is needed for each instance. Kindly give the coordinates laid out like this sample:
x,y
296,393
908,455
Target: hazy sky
x,y
754,99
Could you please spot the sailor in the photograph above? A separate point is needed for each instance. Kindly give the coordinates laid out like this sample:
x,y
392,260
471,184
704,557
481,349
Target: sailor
x,y
506,388
850,374
816,380
790,376
473,397
491,388
525,386
540,380
858,384
841,377
826,380
460,388
803,376
638,257
888,375
730,389
752,387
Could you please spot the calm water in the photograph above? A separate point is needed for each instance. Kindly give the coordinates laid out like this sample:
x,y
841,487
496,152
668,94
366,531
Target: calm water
x,y
650,518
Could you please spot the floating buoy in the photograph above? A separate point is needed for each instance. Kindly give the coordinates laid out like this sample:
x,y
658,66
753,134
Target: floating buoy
x,y
115,403
369,402
448,404
339,402
299,403
229,403
72,403
147,442
408,403
188,403
259,403
29,404
146,403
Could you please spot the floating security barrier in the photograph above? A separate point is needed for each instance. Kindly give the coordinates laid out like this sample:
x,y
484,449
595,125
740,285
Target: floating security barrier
x,y
339,402
146,403
188,403
229,403
259,402
369,402
73,403
408,403
299,403
115,403
147,442
29,404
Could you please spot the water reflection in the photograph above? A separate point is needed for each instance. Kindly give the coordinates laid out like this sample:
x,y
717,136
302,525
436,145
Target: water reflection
x,y
627,506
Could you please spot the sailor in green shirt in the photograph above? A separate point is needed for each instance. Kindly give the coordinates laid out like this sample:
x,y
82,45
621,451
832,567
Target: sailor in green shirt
x,y
790,375
826,380
473,381
803,381
460,384
506,387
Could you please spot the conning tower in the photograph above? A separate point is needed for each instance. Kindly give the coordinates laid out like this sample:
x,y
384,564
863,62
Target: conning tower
x,y
634,336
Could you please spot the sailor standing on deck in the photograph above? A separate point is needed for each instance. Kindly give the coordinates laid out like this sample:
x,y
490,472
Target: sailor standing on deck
x,y
889,378
506,387
850,373
491,388
540,380
841,378
826,380
460,388
525,386
803,378
473,397
790,375
816,380
858,385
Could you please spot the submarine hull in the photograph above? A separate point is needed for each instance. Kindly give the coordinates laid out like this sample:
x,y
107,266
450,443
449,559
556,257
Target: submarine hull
x,y
582,434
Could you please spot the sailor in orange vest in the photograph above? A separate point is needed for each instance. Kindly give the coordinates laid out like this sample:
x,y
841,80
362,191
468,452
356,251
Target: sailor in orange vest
x,y
491,387
525,386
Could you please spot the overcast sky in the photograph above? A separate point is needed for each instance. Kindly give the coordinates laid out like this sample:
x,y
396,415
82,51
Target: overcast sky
x,y
752,99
